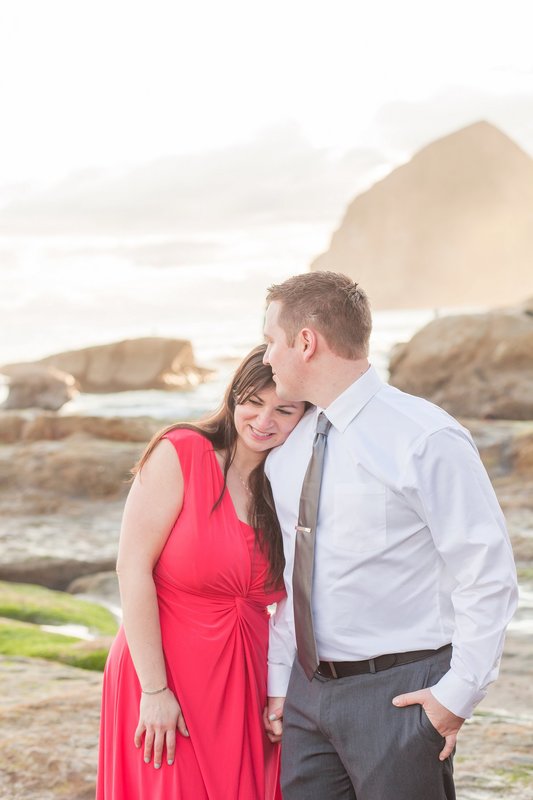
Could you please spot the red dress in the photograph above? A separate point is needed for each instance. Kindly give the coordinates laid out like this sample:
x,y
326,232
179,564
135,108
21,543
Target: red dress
x,y
214,624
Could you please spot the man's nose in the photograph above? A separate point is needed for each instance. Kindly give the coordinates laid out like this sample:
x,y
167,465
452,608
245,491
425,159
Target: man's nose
x,y
266,362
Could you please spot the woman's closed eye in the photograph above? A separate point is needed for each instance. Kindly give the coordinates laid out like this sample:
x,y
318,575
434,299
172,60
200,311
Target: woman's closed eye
x,y
287,411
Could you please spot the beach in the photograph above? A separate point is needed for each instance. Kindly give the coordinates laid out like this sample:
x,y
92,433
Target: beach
x,y
65,526
64,477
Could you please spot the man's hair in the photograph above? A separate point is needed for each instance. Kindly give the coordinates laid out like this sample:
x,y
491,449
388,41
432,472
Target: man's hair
x,y
330,302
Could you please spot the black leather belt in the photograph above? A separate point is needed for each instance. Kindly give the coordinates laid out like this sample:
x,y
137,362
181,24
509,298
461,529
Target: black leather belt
x,y
345,669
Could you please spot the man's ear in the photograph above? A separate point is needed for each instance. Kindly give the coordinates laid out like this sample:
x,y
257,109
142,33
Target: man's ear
x,y
308,343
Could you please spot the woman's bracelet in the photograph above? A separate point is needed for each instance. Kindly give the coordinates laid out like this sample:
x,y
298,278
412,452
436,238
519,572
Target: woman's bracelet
x,y
155,691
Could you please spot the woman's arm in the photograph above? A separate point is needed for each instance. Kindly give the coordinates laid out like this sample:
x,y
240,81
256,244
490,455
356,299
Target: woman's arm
x,y
153,504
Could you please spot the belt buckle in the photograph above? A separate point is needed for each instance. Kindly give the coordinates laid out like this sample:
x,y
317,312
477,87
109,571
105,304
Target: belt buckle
x,y
332,670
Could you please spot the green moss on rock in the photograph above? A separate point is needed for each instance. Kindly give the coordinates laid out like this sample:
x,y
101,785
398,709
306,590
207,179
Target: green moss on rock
x,y
25,607
29,603
25,639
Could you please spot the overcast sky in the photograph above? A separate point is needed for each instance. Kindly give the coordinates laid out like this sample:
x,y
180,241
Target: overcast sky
x,y
113,84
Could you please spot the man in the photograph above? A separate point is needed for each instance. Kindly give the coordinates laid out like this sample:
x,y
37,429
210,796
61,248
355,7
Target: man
x,y
403,584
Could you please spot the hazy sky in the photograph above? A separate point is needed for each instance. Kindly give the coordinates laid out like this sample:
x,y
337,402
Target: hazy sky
x,y
221,140
114,83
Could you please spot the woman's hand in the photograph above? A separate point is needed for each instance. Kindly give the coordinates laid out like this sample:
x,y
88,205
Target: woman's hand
x,y
159,716
273,718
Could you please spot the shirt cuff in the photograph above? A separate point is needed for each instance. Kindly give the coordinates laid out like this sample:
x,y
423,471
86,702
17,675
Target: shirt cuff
x,y
457,695
278,680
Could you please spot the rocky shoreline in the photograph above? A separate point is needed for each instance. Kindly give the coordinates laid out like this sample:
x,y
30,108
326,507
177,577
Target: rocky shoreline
x,y
63,483
130,365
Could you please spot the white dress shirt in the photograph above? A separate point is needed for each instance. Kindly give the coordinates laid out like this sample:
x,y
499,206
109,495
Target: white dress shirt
x,y
411,547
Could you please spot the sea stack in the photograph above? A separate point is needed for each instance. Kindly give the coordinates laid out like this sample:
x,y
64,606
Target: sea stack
x,y
452,227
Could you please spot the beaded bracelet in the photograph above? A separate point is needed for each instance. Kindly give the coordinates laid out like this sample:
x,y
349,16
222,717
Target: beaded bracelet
x,y
156,691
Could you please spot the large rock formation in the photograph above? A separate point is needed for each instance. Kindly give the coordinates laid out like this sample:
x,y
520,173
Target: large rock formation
x,y
133,364
478,365
452,227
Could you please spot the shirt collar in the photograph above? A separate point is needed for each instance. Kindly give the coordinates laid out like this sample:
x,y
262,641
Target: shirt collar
x,y
347,405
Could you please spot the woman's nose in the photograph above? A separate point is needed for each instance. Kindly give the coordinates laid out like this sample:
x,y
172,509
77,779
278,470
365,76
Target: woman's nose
x,y
264,417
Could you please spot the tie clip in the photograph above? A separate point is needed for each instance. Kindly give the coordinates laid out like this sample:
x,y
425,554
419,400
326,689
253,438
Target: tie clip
x,y
302,529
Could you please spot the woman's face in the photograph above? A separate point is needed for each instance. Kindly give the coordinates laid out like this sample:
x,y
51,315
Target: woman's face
x,y
264,421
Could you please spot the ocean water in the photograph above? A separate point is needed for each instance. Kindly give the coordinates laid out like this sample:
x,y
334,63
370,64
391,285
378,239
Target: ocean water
x,y
390,328
232,338
62,293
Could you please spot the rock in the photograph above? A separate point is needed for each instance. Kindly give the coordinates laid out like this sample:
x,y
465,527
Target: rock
x,y
11,426
54,549
76,467
38,386
493,752
523,456
49,718
61,504
450,228
80,537
17,427
506,449
493,757
526,307
54,573
132,364
476,365
101,586
62,499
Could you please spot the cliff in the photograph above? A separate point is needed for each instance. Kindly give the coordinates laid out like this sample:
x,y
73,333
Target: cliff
x,y
452,227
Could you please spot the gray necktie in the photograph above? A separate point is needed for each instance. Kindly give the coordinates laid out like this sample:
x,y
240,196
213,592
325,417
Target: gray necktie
x,y
302,574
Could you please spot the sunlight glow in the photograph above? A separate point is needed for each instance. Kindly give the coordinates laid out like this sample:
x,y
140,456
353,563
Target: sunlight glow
x,y
116,82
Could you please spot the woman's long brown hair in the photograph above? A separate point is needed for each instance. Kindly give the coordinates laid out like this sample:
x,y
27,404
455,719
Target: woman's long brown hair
x,y
251,376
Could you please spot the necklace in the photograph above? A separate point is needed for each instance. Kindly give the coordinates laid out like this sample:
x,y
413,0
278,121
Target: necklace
x,y
244,483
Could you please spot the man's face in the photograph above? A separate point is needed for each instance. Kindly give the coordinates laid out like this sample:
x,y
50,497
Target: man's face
x,y
286,366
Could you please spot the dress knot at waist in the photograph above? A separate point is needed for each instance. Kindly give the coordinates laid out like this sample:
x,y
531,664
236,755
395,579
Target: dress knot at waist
x,y
178,599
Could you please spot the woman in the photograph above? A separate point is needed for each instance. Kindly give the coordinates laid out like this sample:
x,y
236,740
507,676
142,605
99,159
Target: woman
x,y
200,558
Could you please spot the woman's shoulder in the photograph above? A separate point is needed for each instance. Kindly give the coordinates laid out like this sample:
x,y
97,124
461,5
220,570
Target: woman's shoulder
x,y
187,439
191,447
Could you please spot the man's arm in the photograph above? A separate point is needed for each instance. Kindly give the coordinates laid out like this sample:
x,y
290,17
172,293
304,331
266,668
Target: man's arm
x,y
451,491
281,654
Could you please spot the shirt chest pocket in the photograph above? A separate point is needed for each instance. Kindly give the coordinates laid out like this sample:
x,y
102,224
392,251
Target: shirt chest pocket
x,y
359,522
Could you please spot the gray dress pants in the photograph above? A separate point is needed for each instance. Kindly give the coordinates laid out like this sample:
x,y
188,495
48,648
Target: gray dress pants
x,y
344,740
